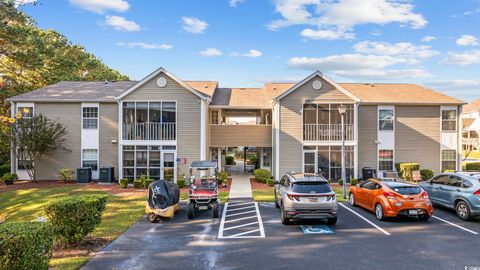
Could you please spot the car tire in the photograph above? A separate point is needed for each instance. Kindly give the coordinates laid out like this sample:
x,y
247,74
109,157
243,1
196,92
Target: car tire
x,y
153,218
191,210
283,216
425,217
332,221
379,213
276,202
351,199
215,209
463,210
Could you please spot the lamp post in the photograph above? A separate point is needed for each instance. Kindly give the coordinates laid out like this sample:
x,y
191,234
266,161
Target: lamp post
x,y
342,109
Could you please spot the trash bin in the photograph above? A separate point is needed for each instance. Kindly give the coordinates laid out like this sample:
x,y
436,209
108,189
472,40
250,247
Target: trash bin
x,y
107,174
368,172
84,175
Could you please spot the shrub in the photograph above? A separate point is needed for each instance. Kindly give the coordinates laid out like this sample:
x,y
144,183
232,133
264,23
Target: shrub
x,y
448,171
329,181
426,174
340,182
270,182
353,181
9,178
405,170
26,245
222,177
229,160
474,166
261,175
124,183
147,182
181,182
4,168
65,175
76,216
138,183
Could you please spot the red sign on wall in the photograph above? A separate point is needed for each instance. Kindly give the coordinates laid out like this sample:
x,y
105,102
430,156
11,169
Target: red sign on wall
x,y
181,161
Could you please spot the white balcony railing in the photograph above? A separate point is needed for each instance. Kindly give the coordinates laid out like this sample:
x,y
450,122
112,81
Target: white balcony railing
x,y
149,131
326,132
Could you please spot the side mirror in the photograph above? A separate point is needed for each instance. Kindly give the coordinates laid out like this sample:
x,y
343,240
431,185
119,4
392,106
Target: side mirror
x,y
276,182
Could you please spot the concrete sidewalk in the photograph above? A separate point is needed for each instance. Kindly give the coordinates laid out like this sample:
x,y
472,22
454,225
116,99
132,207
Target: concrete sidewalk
x,y
241,187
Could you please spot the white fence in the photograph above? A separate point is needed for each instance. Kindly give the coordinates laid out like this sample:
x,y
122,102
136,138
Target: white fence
x,y
149,131
326,132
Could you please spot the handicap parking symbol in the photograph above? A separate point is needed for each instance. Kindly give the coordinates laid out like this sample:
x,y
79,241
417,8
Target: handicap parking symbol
x,y
316,229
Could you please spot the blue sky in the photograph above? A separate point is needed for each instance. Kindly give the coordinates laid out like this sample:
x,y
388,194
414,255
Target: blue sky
x,y
243,43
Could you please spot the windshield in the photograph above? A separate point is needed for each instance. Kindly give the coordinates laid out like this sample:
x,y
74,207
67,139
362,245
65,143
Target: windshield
x,y
311,187
202,173
407,190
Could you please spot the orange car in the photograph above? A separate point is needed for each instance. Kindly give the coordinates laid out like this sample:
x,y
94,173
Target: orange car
x,y
390,199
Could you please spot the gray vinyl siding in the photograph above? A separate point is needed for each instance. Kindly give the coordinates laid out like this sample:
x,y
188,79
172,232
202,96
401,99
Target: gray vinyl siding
x,y
417,136
188,115
241,135
108,131
367,135
67,114
291,120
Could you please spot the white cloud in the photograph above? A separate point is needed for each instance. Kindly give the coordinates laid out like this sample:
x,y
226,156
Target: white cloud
x,y
462,58
455,84
101,6
428,38
467,40
327,34
234,3
360,66
121,24
253,53
403,49
210,52
194,25
143,45
466,13
344,15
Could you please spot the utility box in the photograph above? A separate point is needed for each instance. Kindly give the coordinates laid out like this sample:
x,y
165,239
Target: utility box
x,y
107,174
368,172
84,175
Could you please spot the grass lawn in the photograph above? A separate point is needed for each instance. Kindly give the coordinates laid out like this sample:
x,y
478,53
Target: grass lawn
x,y
267,195
120,214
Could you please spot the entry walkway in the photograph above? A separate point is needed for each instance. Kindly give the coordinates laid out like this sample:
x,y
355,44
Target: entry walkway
x,y
241,187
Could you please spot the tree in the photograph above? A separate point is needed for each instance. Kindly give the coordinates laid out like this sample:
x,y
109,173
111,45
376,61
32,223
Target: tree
x,y
33,138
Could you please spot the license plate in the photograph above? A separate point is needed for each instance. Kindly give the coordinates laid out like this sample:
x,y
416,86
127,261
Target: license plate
x,y
202,207
313,199
413,212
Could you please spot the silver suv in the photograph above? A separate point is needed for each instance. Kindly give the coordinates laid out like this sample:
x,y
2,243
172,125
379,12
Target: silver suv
x,y
305,196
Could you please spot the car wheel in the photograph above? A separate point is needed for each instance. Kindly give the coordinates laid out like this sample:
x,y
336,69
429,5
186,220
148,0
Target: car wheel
x,y
425,217
463,210
351,199
191,210
379,212
283,216
215,209
153,218
276,202
331,221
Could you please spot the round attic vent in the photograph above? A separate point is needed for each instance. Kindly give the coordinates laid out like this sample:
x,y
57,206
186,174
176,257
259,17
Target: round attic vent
x,y
317,84
161,82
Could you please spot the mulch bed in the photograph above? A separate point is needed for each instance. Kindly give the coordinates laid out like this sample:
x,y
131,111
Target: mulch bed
x,y
258,185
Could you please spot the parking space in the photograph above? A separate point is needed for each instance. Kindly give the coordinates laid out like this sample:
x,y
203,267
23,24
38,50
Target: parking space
x,y
241,219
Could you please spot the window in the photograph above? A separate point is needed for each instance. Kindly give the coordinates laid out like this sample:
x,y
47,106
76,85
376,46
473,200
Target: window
x,y
267,153
322,122
449,120
141,160
90,117
23,163
214,117
385,119
455,181
90,159
449,160
309,162
149,120
311,187
385,160
441,180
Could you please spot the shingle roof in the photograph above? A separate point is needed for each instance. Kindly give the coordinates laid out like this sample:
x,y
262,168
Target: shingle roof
x,y
472,106
77,91
205,87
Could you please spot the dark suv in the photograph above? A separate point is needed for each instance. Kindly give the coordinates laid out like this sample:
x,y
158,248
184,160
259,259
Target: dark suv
x,y
305,196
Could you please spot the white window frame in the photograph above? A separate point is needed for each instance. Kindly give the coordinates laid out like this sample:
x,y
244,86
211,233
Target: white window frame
x,y
97,159
89,106
449,120
22,174
379,119
379,159
449,160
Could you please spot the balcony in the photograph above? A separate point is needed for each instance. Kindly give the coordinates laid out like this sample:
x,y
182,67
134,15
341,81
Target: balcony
x,y
241,135
326,132
149,131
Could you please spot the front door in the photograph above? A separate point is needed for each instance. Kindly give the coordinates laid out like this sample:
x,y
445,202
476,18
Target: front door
x,y
169,165
309,162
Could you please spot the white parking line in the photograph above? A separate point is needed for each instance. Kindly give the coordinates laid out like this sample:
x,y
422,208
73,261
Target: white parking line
x,y
235,204
250,222
222,222
240,208
260,222
241,225
237,214
243,233
455,225
238,219
368,221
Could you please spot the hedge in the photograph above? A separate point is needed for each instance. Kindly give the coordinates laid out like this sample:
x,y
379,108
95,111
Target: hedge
x,y
222,177
4,168
65,174
405,170
426,174
262,175
138,183
124,183
270,182
147,182
181,183
474,166
353,181
74,217
26,245
229,160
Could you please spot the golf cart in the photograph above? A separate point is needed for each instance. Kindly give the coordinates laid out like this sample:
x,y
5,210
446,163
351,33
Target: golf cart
x,y
163,198
203,188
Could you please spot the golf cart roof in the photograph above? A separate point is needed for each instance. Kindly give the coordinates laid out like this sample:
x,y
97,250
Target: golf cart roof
x,y
203,164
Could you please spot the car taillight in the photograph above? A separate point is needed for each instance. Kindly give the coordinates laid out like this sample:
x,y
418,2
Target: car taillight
x,y
424,195
331,197
477,193
293,197
389,194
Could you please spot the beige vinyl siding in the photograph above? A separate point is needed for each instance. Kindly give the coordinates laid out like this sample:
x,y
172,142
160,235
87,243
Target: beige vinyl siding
x,y
417,136
108,131
188,115
367,137
291,120
69,115
241,135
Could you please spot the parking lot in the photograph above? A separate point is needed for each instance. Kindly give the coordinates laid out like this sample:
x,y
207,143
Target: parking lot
x,y
256,239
